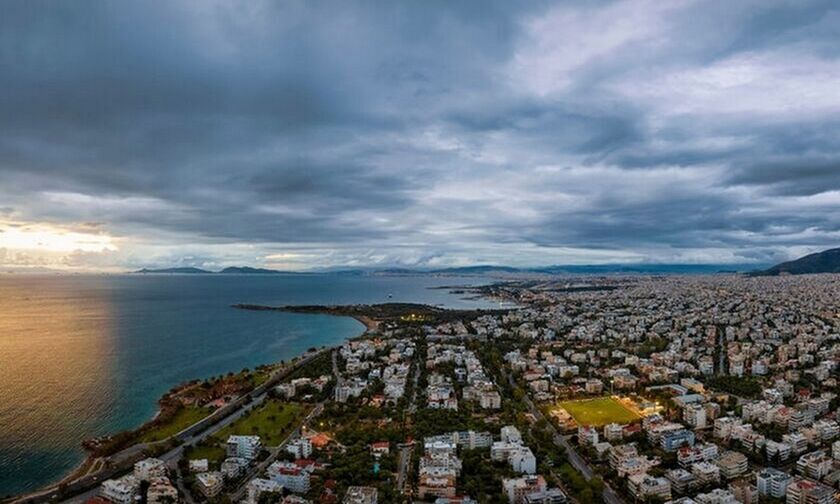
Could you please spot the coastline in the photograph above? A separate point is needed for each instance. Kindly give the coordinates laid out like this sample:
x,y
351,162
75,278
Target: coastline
x,y
91,461
210,302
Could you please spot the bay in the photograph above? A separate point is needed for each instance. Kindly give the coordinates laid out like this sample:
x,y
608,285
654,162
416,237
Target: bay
x,y
86,355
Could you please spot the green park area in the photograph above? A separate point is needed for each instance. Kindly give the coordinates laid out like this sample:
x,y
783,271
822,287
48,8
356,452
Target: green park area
x,y
272,421
598,412
184,417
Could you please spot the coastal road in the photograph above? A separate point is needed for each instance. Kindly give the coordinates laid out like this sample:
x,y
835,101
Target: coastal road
x,y
172,456
122,462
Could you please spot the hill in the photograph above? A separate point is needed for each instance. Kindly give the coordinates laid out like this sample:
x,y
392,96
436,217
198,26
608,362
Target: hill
x,y
247,270
182,270
827,261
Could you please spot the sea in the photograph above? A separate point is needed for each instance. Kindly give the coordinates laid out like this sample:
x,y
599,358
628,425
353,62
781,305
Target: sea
x,y
86,355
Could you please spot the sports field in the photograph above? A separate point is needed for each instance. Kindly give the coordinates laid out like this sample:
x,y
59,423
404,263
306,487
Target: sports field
x,y
598,412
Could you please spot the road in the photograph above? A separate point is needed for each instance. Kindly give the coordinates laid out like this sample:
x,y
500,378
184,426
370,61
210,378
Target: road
x,y
122,462
406,450
403,464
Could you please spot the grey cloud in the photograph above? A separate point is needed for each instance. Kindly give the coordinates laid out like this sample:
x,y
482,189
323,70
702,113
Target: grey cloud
x,y
398,126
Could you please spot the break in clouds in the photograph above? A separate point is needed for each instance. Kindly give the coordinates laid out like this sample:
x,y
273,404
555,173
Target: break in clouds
x,y
310,134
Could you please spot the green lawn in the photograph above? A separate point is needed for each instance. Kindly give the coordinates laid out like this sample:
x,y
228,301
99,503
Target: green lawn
x,y
599,412
184,418
214,454
272,422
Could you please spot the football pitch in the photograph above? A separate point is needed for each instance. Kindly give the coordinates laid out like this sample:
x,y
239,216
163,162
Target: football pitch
x,y
599,412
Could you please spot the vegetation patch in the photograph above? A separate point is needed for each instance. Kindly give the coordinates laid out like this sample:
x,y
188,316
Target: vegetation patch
x,y
273,421
183,418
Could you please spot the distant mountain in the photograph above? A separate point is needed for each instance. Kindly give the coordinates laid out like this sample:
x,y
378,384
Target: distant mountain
x,y
494,270
187,270
645,269
827,261
482,269
247,270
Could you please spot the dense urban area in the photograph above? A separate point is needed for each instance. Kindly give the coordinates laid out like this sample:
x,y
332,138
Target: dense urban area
x,y
708,389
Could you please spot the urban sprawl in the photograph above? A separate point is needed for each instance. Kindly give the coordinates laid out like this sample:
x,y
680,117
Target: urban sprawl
x,y
717,389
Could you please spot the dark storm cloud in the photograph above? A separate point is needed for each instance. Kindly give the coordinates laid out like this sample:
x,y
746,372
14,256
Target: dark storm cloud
x,y
411,132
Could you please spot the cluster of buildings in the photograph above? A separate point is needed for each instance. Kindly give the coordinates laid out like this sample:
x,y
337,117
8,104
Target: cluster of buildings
x,y
542,369
467,372
512,450
291,389
127,489
371,360
440,467
241,452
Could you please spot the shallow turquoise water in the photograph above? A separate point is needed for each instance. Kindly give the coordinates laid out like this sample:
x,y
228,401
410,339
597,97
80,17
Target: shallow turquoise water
x,y
86,355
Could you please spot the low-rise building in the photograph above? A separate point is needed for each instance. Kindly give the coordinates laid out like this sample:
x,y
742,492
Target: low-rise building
x,y
772,482
234,467
247,447
744,491
161,491
716,496
259,486
803,491
199,465
517,489
149,468
732,464
682,481
706,473
672,440
291,476
814,465
645,486
121,490
777,451
361,495
210,483
619,453
549,496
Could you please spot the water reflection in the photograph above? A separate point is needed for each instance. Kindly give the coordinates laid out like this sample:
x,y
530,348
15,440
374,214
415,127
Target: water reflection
x,y
55,368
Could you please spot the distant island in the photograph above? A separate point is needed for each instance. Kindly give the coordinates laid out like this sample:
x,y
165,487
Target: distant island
x,y
827,261
184,270
237,270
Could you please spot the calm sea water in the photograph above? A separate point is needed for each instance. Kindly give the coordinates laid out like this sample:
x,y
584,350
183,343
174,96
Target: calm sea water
x,y
82,356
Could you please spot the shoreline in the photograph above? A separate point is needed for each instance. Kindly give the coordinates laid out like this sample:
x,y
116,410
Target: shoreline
x,y
361,313
90,460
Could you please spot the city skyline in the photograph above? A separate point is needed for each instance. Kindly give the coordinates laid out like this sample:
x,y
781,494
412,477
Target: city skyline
x,y
305,135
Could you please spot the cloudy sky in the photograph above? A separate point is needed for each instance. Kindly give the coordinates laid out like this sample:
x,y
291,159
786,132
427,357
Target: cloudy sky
x,y
307,134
